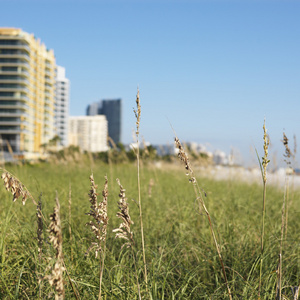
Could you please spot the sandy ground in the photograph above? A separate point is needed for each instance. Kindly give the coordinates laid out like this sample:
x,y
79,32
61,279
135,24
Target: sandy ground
x,y
277,178
250,176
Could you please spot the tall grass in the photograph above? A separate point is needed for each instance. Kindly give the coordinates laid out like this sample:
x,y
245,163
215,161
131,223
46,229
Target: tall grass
x,y
234,257
182,263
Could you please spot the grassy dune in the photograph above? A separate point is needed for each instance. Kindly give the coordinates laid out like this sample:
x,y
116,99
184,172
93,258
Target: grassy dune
x,y
181,258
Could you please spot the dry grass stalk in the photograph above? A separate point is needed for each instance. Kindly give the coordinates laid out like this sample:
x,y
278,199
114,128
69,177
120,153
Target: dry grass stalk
x,y
98,211
279,269
111,141
124,230
264,164
288,154
137,113
284,214
70,218
56,277
189,172
295,291
40,228
279,274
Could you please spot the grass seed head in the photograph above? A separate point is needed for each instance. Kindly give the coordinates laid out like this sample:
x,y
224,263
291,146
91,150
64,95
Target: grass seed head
x,y
184,158
288,152
137,112
265,160
124,230
98,211
56,277
13,185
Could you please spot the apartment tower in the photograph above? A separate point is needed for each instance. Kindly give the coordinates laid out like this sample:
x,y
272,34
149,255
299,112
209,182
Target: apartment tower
x,y
27,93
112,109
61,109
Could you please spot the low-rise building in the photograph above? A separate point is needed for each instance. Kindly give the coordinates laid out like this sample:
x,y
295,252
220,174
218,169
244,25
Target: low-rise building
x,y
90,133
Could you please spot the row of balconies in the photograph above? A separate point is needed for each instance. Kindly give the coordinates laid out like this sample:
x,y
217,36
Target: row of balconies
x,y
13,105
14,58
7,63
13,71
14,44
14,96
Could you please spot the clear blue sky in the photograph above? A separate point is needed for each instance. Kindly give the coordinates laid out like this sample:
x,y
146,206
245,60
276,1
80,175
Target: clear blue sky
x,y
213,69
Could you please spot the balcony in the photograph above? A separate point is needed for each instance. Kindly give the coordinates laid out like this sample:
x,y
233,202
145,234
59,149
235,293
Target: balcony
x,y
14,71
9,122
16,47
48,88
6,79
13,113
24,64
48,80
23,56
16,130
23,89
47,72
16,105
14,96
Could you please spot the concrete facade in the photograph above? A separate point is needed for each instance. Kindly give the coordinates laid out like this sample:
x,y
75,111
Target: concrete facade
x,y
27,93
62,104
89,133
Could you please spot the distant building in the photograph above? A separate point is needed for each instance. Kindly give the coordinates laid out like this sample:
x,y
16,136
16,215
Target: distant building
x,y
88,132
27,93
62,105
93,109
112,109
221,158
163,150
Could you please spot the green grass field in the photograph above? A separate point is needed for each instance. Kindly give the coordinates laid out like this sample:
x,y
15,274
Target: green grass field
x,y
182,262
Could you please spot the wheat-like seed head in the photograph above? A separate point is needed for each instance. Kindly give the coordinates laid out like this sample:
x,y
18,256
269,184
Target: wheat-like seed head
x,y
124,230
265,160
13,185
288,152
183,157
56,277
137,112
99,213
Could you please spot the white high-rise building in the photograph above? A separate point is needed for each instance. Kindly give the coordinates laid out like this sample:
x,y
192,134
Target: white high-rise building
x,y
62,105
89,133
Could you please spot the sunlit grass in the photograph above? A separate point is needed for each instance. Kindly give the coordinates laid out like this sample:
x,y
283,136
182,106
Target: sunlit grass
x,y
181,259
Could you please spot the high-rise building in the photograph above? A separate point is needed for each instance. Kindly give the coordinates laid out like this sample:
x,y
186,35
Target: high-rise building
x,y
112,109
88,132
93,109
27,93
62,105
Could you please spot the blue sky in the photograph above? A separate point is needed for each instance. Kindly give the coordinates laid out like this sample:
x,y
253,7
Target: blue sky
x,y
213,69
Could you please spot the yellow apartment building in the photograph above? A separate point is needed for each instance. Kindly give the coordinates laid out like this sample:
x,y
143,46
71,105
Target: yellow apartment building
x,y
27,93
